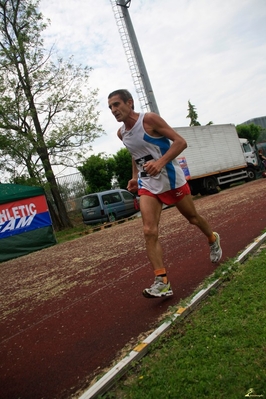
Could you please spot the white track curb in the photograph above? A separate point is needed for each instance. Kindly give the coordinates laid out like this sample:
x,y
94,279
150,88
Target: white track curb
x,y
106,382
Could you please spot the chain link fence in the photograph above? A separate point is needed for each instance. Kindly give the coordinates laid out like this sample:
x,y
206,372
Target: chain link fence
x,y
72,187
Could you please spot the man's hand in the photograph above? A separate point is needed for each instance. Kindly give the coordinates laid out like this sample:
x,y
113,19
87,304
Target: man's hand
x,y
152,168
132,186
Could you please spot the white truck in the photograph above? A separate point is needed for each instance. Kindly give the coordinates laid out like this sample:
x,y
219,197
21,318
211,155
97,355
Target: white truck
x,y
214,158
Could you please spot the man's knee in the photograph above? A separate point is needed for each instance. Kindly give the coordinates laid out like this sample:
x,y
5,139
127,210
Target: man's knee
x,y
150,232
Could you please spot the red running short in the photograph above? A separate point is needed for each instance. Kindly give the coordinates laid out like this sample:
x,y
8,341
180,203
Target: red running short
x,y
168,197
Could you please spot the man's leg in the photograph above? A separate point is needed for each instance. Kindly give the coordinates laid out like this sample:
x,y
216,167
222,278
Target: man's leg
x,y
187,208
151,209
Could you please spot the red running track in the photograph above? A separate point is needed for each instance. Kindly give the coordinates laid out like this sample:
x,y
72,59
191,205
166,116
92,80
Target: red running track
x,y
68,311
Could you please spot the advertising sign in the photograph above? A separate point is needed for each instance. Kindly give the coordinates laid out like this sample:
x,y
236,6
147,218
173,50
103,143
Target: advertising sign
x,y
183,163
24,215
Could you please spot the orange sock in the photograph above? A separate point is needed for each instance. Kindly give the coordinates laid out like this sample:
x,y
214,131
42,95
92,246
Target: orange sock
x,y
161,273
212,239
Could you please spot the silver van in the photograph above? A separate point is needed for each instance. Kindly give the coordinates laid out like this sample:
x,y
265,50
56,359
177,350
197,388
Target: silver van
x,y
108,206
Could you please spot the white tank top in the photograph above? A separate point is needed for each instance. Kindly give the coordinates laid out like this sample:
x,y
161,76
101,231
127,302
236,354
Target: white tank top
x,y
143,148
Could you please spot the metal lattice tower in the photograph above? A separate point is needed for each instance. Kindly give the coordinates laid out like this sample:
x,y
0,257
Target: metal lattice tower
x,y
133,55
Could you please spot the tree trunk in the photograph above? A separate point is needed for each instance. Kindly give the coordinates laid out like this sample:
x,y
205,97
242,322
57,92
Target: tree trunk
x,y
59,203
54,216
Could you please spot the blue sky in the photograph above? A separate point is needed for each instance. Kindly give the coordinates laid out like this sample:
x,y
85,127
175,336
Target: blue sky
x,y
212,53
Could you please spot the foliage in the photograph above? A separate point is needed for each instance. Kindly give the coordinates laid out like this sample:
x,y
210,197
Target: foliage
x,y
193,116
98,171
123,167
262,136
250,132
24,180
73,189
47,109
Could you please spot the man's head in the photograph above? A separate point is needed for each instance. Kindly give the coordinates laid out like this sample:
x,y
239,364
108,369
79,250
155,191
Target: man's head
x,y
124,96
121,104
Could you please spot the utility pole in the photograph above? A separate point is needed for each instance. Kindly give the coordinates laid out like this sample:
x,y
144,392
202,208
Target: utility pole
x,y
134,56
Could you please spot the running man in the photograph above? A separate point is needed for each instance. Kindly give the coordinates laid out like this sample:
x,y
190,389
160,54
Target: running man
x,y
158,178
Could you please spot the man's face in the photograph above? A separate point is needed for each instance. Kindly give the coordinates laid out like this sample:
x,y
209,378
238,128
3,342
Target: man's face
x,y
119,109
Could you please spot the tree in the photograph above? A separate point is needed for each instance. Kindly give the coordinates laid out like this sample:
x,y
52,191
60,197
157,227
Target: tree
x,y
262,136
47,109
192,114
98,171
123,167
250,132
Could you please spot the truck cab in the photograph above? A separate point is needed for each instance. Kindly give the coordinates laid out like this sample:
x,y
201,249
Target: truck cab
x,y
249,152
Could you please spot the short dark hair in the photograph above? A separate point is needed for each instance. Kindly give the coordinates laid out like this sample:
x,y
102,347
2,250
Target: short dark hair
x,y
123,94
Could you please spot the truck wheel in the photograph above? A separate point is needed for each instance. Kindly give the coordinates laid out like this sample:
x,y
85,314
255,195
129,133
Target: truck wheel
x,y
210,184
251,174
194,188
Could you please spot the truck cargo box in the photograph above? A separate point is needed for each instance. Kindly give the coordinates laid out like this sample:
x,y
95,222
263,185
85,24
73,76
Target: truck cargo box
x,y
213,158
211,149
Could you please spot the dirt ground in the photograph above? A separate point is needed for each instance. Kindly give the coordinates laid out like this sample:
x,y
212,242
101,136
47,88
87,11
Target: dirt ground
x,y
67,312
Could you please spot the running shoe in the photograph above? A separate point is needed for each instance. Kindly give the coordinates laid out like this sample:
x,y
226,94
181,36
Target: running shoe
x,y
215,249
158,289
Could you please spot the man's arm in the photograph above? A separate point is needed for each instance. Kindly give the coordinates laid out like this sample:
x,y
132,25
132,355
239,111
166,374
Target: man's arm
x,y
156,126
133,183
119,134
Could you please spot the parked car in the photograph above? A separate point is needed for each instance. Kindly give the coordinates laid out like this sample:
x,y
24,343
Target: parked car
x,y
108,205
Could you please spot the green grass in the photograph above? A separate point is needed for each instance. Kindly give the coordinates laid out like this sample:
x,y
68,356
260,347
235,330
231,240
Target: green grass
x,y
218,351
72,233
79,229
